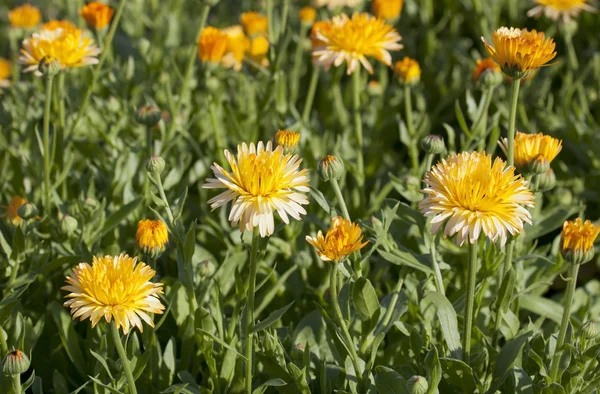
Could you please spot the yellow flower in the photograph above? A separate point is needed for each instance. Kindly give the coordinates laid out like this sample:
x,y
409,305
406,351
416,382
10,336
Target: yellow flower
x,y
307,15
67,45
555,9
408,70
5,72
352,40
482,66
96,15
56,24
387,9
530,147
12,210
254,23
258,49
116,288
520,52
261,181
26,16
341,240
577,241
152,237
212,45
470,195
237,45
286,138
324,27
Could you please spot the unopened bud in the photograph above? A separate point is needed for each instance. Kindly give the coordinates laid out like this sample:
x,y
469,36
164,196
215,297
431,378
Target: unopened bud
x,y
49,66
207,268
15,363
331,167
490,78
417,385
538,165
90,205
148,115
68,225
298,353
545,181
589,330
155,165
374,88
27,211
433,144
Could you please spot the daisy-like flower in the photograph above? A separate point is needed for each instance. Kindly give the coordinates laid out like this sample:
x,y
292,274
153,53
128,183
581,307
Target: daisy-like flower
x,y
387,9
5,73
560,9
408,71
262,180
25,16
12,210
96,15
212,45
116,288
577,241
482,66
152,237
520,52
254,23
67,45
532,147
341,240
237,45
352,40
286,138
469,195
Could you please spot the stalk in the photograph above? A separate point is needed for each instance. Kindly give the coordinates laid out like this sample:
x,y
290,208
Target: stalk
x,y
358,126
471,278
439,280
123,356
413,151
297,62
511,122
16,383
573,62
46,143
312,88
249,317
340,197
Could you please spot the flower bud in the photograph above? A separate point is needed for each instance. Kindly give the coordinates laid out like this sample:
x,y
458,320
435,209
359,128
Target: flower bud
x,y
287,138
577,241
207,268
589,330
545,181
90,205
49,66
374,88
331,167
307,16
417,385
538,165
27,211
155,165
148,115
571,27
213,84
298,353
433,144
490,78
68,225
152,237
15,363
564,196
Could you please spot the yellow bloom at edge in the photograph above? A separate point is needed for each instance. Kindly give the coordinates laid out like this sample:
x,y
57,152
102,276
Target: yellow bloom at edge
x,y
482,66
577,240
287,138
25,16
254,23
556,9
237,45
96,15
408,70
307,15
116,288
387,9
530,147
341,240
5,72
152,237
12,210
212,45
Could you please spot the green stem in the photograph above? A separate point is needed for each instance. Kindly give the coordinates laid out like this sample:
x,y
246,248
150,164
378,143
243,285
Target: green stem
x,y
149,142
468,320
46,144
480,125
285,9
310,97
439,280
163,196
61,100
564,324
123,356
511,122
340,197
413,151
249,317
295,77
270,30
358,126
16,383
3,343
342,323
573,62
428,162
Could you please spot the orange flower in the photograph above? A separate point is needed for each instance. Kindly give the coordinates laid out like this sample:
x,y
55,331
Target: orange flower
x,y
12,210
26,16
212,45
307,15
482,66
5,73
96,15
254,23
387,9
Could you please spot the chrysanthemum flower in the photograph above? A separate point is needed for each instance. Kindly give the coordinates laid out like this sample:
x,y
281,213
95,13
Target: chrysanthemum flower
x,y
352,40
67,45
341,240
529,147
565,9
5,72
237,45
520,52
407,70
116,288
577,240
482,66
333,4
287,138
212,45
152,237
387,9
307,15
261,181
471,195
96,15
254,23
12,210
25,16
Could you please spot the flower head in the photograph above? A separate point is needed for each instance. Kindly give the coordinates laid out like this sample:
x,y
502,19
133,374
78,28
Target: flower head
x,y
577,240
471,195
387,9
262,180
12,210
307,15
352,40
116,288
341,240
25,16
258,49
520,52
97,15
408,71
152,237
237,45
212,45
286,138
482,66
532,147
5,72
565,9
254,23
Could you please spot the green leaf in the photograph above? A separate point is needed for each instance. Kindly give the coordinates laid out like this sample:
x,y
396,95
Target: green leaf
x,y
506,360
506,291
459,374
448,321
220,342
109,388
365,300
102,362
269,383
119,216
388,381
299,378
320,199
549,221
271,319
68,336
434,370
523,383
404,257
544,307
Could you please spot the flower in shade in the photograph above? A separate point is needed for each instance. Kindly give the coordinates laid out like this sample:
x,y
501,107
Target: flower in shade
x,y
262,180
212,45
254,23
341,240
5,72
237,45
532,147
333,4
577,240
353,40
469,195
152,237
520,52
287,138
116,288
556,9
408,71
25,16
11,211
482,66
96,15
307,15
387,9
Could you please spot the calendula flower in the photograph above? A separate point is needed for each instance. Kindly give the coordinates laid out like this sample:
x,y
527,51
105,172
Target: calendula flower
x,y
307,15
482,66
408,71
68,46
11,211
237,45
470,195
352,40
212,45
532,147
116,288
152,237
262,180
258,49
333,4
287,138
520,52
325,28
341,240
25,16
556,9
56,24
96,15
254,23
387,9
577,240
5,73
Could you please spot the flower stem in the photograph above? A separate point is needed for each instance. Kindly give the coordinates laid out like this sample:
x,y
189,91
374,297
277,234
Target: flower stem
x,y
428,162
511,122
439,280
358,126
212,107
471,279
16,383
249,317
573,62
310,97
46,144
270,30
571,284
340,197
342,323
413,151
295,77
123,356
